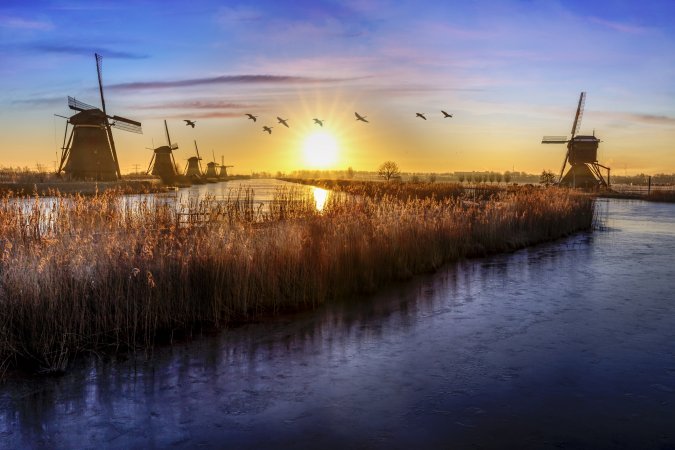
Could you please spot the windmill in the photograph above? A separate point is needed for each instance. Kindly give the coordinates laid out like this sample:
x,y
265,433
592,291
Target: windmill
x,y
211,168
223,169
194,168
90,151
582,155
164,163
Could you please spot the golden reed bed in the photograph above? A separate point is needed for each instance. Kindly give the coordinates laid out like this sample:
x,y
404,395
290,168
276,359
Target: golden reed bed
x,y
96,274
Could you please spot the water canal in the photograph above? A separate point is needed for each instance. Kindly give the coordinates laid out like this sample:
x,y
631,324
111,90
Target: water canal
x,y
565,345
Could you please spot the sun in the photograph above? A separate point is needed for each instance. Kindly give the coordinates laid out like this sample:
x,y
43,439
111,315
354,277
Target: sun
x,y
320,149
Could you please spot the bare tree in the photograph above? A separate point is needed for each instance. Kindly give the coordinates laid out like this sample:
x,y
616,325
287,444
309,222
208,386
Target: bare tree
x,y
432,178
389,170
547,177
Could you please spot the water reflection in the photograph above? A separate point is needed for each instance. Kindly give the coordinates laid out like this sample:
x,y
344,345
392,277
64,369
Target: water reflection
x,y
320,197
564,339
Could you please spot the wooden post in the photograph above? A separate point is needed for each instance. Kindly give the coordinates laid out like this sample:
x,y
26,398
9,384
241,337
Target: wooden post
x,y
649,185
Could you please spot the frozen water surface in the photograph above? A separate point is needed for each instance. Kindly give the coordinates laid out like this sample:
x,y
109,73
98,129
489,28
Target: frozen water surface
x,y
565,345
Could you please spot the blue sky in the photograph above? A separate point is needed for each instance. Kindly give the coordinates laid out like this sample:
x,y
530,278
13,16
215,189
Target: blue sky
x,y
510,71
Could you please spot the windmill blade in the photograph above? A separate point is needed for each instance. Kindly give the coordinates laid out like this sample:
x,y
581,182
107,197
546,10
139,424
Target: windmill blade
x,y
580,112
78,105
554,140
126,125
562,170
99,64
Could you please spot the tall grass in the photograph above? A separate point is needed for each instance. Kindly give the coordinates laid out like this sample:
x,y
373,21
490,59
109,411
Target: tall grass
x,y
97,274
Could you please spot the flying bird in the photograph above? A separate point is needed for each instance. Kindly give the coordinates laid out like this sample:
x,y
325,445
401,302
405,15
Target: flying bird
x,y
251,116
268,129
282,121
420,115
190,122
318,121
446,115
360,117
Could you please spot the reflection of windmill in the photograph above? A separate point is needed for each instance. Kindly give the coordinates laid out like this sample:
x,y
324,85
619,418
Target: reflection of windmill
x,y
164,163
582,154
90,152
194,168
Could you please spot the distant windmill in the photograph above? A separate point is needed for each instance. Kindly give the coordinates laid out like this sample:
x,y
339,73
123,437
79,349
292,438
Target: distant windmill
x,y
194,168
90,151
582,154
211,167
223,168
164,163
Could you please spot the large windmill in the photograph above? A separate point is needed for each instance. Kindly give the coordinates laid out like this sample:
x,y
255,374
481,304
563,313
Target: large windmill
x,y
164,163
90,151
582,155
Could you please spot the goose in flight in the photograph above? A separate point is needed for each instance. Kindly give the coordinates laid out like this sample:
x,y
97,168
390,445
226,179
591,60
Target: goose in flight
x,y
251,116
360,117
318,121
446,115
282,121
190,122
268,129
420,115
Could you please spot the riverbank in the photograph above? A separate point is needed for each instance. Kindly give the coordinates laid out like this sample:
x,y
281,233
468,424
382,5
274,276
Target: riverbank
x,y
81,275
88,188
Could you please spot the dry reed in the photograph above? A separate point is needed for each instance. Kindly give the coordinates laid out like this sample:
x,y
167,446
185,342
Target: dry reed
x,y
100,274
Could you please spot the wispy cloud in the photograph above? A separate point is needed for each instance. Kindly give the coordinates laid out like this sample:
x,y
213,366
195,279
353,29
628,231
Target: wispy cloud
x,y
225,79
648,119
619,26
197,104
231,15
41,101
25,24
85,50
201,115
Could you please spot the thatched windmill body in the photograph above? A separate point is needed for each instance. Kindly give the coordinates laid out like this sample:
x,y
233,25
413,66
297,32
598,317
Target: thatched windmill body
x,y
582,155
89,153
162,162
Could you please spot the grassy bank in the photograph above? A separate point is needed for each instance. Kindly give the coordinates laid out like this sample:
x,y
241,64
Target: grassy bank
x,y
99,275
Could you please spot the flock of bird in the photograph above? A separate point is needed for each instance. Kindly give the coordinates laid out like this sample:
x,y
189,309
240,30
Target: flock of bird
x,y
284,122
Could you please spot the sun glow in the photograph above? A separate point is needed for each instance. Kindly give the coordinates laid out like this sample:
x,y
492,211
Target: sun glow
x,y
320,149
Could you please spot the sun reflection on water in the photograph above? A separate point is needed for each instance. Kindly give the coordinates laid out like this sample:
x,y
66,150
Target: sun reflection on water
x,y
320,197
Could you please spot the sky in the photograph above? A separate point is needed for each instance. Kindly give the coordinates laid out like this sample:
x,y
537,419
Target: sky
x,y
509,71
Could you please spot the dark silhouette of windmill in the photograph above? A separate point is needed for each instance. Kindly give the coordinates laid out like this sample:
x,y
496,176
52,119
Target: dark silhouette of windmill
x,y
90,151
582,155
164,163
193,169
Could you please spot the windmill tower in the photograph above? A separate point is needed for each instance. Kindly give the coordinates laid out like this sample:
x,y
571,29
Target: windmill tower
x,y
194,168
582,155
211,168
90,151
164,163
